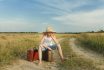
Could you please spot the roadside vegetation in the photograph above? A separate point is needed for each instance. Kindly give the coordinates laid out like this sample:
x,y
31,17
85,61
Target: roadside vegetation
x,y
74,62
14,46
94,42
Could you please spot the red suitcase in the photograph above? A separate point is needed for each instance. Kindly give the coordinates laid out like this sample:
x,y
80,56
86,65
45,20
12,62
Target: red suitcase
x,y
30,54
35,55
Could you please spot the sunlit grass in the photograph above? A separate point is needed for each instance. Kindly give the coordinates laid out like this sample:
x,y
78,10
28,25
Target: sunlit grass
x,y
74,62
67,35
94,42
14,46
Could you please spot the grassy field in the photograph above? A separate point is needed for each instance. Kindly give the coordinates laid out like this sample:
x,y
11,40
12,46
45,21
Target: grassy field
x,y
74,62
93,41
14,47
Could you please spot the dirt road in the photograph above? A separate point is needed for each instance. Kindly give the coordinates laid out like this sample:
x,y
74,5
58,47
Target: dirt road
x,y
85,53
26,65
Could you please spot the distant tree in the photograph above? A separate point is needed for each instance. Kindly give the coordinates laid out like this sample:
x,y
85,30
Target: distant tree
x,y
101,31
92,31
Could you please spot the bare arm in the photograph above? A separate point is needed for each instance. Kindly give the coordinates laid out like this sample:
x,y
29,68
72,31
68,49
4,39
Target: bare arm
x,y
42,39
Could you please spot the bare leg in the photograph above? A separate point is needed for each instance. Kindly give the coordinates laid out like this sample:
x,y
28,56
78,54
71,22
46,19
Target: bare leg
x,y
40,54
60,52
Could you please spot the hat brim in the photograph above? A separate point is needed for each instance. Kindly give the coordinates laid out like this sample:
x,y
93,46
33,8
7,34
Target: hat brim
x,y
49,32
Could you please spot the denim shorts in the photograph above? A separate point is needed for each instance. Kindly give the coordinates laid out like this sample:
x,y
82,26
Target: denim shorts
x,y
53,47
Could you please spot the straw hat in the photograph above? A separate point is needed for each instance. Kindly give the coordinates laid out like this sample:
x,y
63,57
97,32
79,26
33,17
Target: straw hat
x,y
49,29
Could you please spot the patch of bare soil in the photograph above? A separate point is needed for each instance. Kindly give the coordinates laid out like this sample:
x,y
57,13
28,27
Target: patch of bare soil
x,y
26,65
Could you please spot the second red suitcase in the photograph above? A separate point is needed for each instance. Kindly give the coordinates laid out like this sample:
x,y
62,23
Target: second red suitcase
x,y
30,54
35,55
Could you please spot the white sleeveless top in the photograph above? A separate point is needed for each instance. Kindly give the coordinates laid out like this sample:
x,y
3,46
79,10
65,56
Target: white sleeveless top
x,y
48,41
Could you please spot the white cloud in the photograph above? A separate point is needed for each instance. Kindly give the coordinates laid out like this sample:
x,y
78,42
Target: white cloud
x,y
16,24
92,19
50,8
21,25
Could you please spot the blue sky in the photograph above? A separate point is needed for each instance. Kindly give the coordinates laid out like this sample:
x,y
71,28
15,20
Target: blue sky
x,y
62,15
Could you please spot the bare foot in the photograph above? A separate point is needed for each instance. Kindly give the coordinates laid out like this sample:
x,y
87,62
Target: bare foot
x,y
64,59
39,63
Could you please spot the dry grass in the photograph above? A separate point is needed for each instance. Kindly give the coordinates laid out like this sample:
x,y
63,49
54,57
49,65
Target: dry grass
x,y
14,46
93,41
74,62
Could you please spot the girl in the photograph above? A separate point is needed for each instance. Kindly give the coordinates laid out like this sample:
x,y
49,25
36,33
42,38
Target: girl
x,y
49,42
